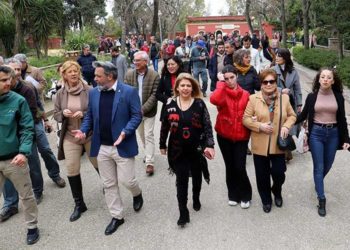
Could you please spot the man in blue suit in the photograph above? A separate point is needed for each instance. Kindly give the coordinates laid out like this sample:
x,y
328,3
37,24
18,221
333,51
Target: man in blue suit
x,y
113,115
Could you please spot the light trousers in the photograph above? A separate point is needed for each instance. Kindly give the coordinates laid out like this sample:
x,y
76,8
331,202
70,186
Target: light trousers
x,y
145,131
72,153
115,169
20,178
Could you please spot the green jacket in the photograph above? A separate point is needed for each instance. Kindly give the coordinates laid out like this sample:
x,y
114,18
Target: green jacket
x,y
16,126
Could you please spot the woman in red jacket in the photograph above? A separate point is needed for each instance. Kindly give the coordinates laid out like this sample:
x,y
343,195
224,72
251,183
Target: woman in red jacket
x,y
231,101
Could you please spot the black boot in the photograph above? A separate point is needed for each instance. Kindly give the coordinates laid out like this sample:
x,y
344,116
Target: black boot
x,y
77,192
184,217
196,202
322,207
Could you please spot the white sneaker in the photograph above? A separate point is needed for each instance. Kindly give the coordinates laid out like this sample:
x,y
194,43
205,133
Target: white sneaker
x,y
245,205
232,203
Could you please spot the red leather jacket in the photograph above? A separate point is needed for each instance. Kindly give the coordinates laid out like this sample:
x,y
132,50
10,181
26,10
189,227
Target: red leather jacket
x,y
231,104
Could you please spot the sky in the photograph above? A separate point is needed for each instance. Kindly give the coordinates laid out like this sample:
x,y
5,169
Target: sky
x,y
214,5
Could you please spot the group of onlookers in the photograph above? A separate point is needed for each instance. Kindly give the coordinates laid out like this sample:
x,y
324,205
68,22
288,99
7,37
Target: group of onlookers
x,y
256,102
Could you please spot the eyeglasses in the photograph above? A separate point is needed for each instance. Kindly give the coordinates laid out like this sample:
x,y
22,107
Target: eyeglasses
x,y
229,78
265,82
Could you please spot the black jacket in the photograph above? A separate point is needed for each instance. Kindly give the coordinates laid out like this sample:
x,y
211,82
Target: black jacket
x,y
249,81
309,113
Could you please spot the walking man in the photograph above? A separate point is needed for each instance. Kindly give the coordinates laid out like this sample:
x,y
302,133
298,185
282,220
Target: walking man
x,y
216,64
146,81
120,62
199,57
113,115
17,131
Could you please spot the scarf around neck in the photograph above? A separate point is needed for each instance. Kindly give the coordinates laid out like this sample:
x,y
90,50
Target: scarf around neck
x,y
76,89
243,69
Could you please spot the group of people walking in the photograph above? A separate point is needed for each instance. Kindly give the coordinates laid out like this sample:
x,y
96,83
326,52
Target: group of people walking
x,y
102,122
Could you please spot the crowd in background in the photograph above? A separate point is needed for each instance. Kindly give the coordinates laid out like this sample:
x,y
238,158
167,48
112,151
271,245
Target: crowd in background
x,y
101,106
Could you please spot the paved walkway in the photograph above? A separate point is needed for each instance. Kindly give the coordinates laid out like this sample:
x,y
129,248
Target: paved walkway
x,y
216,226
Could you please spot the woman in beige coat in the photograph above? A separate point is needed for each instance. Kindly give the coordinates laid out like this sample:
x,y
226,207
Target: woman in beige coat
x,y
262,118
70,106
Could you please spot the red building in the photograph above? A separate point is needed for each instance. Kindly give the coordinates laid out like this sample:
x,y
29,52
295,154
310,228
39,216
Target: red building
x,y
221,25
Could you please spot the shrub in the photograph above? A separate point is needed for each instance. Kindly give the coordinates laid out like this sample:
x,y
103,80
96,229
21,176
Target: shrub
x,y
315,58
344,71
42,62
318,58
49,75
76,39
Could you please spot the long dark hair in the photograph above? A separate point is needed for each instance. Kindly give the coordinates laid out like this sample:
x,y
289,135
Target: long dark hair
x,y
285,54
178,61
337,86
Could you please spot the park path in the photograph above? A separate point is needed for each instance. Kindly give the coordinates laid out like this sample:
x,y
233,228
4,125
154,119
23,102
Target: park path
x,y
216,226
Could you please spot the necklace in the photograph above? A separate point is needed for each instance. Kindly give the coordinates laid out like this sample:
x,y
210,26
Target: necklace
x,y
185,108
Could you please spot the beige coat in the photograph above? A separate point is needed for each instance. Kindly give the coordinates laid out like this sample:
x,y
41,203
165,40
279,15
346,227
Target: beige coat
x,y
149,88
258,108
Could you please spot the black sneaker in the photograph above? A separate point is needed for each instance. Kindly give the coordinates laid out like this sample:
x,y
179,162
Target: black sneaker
x,y
7,213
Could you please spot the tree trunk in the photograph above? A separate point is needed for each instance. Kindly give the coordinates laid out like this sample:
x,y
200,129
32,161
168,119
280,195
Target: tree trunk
x,y
247,16
18,36
340,46
155,18
306,7
284,27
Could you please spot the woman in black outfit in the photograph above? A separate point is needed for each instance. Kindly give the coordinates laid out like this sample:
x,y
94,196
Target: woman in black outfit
x,y
187,119
173,68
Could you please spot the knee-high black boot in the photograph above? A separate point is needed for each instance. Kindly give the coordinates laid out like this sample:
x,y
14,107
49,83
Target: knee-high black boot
x,y
182,200
77,192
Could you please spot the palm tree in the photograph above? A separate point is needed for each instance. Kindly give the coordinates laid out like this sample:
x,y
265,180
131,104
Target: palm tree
x,y
44,16
19,8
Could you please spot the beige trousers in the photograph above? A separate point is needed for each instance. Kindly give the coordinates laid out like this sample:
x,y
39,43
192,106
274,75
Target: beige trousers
x,y
145,131
73,153
115,169
21,180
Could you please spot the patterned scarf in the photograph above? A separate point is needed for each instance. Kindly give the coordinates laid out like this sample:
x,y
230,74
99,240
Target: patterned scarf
x,y
243,69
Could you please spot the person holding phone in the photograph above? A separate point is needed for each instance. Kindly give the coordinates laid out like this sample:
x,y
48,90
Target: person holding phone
x,y
231,101
187,120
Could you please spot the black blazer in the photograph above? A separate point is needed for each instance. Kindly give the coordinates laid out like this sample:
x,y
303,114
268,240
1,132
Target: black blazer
x,y
164,91
309,113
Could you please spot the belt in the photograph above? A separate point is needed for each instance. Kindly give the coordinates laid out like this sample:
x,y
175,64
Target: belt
x,y
326,125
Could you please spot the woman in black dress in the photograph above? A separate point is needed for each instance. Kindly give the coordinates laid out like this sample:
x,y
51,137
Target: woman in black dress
x,y
187,119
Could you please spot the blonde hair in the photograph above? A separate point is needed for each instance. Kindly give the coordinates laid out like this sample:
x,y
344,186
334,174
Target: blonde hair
x,y
196,91
66,65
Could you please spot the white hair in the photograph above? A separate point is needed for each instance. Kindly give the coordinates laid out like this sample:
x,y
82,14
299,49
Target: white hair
x,y
143,55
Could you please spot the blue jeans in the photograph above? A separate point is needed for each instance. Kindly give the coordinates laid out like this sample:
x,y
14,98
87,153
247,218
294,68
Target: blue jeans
x,y
46,153
155,64
9,191
203,73
323,144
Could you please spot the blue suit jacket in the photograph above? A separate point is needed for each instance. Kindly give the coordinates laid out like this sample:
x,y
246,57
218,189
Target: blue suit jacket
x,y
126,116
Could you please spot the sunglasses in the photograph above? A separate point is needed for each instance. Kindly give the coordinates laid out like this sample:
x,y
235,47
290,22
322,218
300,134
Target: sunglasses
x,y
265,82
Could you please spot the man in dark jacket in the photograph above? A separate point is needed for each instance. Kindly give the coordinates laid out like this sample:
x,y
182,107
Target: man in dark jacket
x,y
229,50
85,60
17,130
216,64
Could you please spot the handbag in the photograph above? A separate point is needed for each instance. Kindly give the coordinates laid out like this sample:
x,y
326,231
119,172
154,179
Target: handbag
x,y
288,142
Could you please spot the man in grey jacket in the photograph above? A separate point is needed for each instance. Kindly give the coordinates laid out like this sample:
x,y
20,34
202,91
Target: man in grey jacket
x,y
120,62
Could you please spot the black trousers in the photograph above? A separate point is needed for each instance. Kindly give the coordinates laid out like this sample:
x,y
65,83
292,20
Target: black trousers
x,y
266,166
237,181
186,163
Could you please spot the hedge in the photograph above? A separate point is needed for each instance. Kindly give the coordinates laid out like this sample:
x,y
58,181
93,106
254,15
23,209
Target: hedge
x,y
318,58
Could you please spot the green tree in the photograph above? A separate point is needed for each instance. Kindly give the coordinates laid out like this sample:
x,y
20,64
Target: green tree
x,y
44,15
7,28
334,15
20,8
